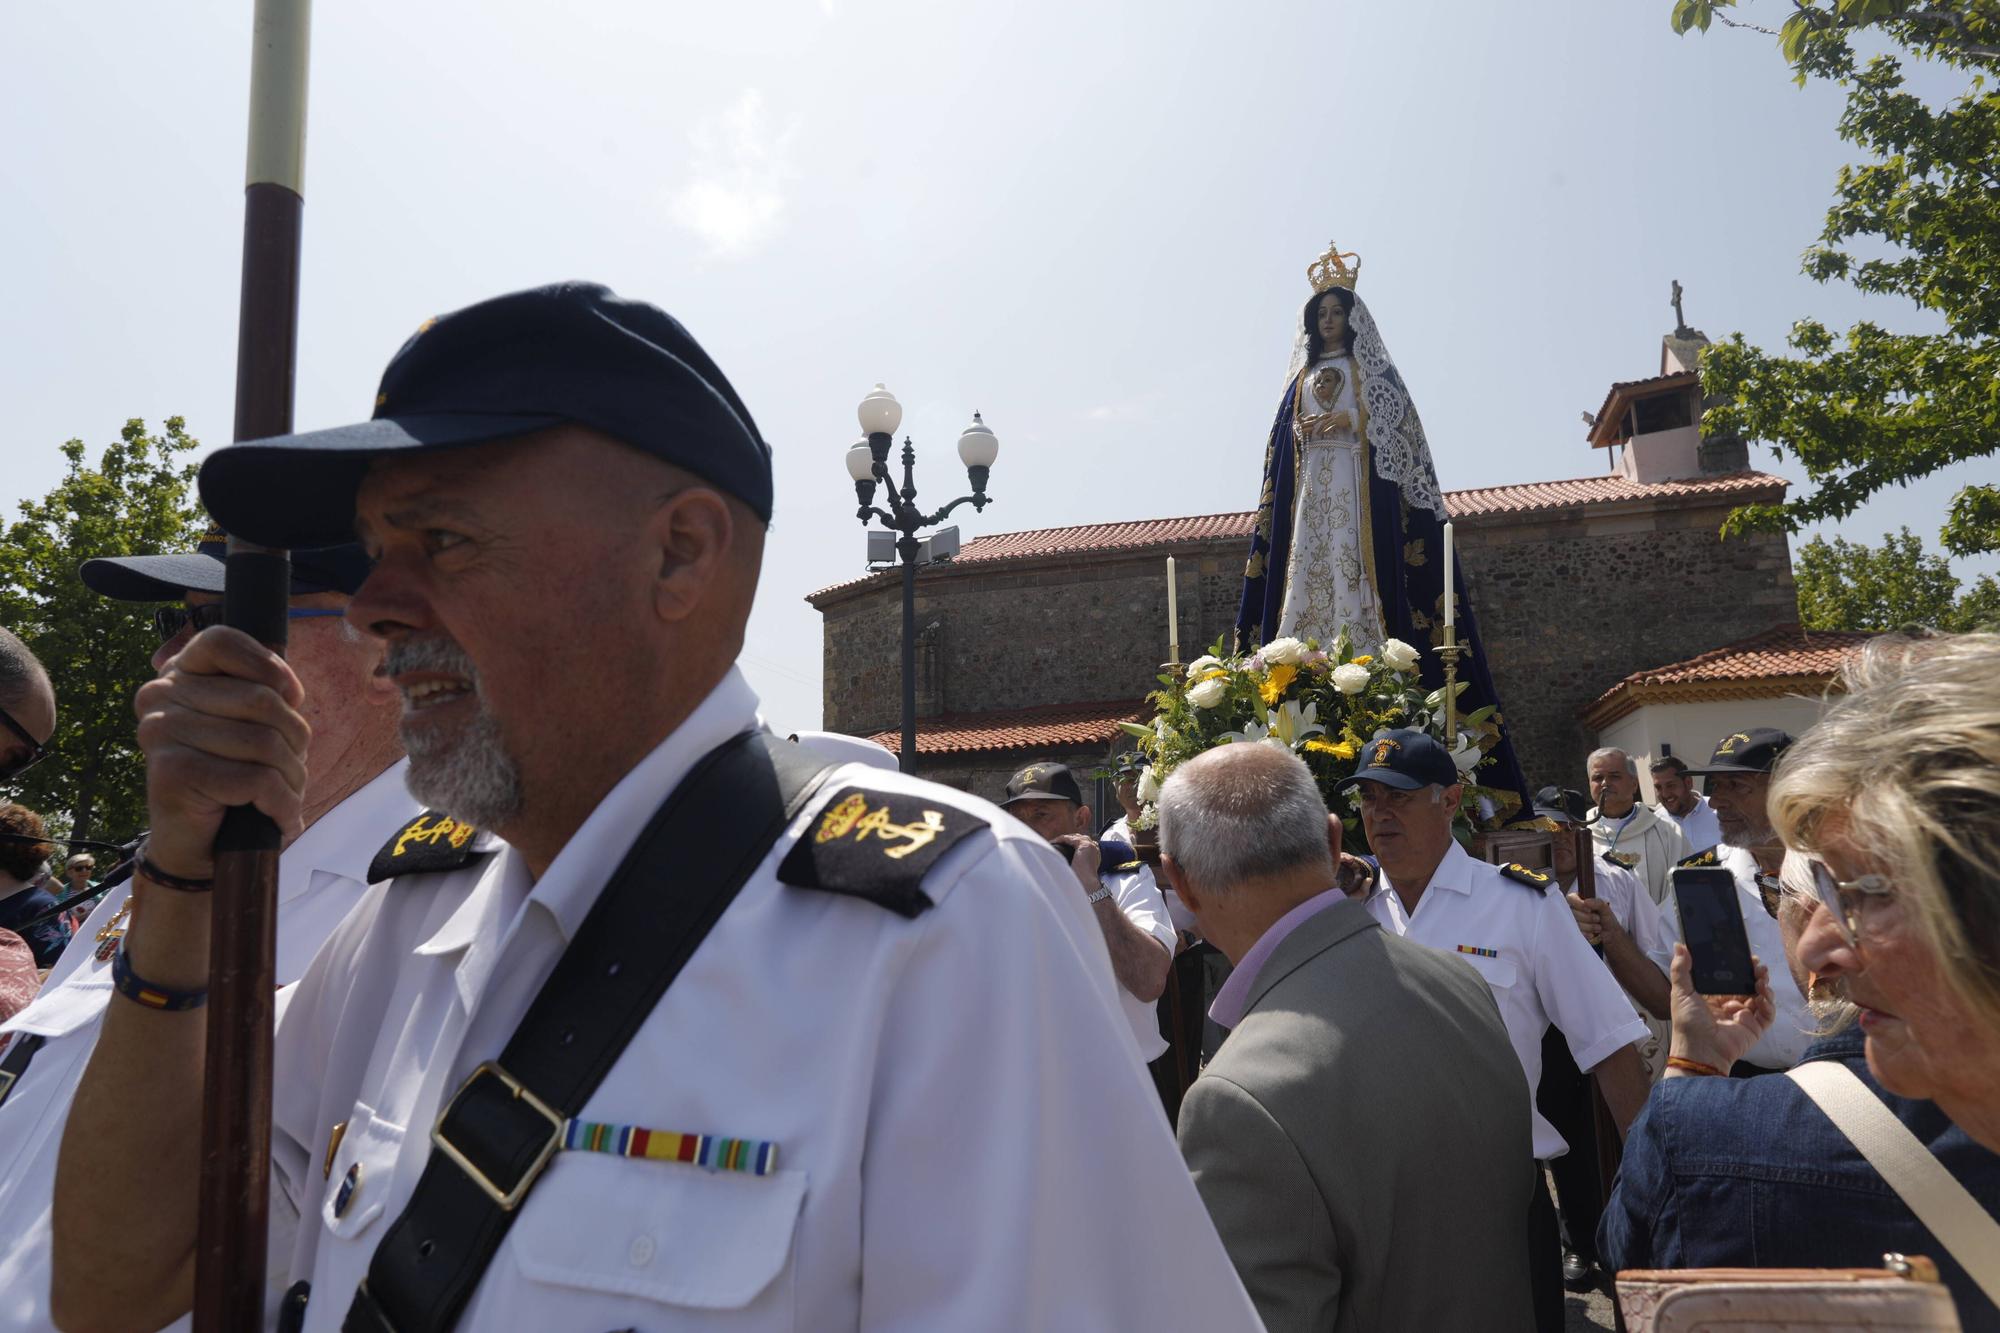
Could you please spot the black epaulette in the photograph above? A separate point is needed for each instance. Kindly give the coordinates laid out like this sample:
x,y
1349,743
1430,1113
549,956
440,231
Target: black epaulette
x,y
1707,858
1623,860
1520,874
431,842
877,845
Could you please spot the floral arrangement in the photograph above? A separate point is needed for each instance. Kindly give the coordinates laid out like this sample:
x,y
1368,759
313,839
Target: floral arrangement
x,y
1322,705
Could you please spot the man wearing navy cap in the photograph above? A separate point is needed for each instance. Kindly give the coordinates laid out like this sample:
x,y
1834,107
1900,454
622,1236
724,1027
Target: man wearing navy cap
x,y
354,788
1130,910
811,1086
1516,930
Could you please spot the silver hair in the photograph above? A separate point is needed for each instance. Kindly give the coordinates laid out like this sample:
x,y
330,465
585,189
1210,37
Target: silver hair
x,y
1631,769
1243,812
471,777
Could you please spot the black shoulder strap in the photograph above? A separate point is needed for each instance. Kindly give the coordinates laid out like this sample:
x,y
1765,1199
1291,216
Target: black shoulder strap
x,y
497,1134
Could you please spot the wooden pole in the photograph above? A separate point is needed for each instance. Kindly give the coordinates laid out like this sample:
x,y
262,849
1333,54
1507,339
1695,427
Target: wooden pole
x,y
231,1236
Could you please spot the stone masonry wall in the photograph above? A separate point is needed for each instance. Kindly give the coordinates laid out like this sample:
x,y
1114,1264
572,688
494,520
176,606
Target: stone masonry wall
x,y
1569,605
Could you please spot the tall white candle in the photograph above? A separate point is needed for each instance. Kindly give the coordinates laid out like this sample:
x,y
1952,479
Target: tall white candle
x,y
1450,588
1173,615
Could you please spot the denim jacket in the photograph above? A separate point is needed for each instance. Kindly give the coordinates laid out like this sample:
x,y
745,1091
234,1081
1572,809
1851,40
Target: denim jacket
x,y
47,939
1750,1173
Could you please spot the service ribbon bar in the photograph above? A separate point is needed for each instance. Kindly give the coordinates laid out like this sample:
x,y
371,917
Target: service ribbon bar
x,y
1478,952
751,1156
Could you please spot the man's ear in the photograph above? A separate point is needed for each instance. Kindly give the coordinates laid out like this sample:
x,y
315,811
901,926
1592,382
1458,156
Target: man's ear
x,y
1177,880
1083,819
1335,835
692,530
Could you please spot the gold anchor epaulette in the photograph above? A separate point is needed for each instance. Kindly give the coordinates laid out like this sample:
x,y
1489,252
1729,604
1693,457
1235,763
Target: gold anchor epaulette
x,y
1520,874
1623,860
877,845
432,841
1132,867
1707,858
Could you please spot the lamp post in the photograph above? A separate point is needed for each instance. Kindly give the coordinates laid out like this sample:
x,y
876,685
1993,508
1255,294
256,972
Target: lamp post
x,y
868,464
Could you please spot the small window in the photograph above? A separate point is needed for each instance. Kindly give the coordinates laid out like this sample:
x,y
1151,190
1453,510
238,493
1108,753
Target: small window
x,y
1666,411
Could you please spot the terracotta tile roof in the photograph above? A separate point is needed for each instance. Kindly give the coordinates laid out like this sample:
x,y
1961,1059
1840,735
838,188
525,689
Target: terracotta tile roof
x,y
1056,726
1159,533
1782,660
1534,496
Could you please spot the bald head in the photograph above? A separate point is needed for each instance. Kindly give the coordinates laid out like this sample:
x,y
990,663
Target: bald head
x,y
1244,812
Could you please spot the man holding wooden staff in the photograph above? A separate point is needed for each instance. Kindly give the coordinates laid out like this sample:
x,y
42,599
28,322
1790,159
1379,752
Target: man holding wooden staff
x,y
658,1023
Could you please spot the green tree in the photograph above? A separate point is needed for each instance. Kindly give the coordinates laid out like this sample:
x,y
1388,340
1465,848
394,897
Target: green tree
x,y
1872,408
1849,585
138,500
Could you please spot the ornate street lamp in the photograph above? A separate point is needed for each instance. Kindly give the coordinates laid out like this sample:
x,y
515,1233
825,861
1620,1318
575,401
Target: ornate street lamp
x,y
868,464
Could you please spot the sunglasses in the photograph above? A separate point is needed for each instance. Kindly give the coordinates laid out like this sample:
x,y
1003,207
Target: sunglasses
x,y
1848,899
28,758
171,620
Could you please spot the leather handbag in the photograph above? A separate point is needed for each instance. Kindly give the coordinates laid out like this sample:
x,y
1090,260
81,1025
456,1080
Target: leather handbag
x,y
1904,1295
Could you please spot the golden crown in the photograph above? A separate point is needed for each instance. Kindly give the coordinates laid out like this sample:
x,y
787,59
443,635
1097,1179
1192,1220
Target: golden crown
x,y
1332,270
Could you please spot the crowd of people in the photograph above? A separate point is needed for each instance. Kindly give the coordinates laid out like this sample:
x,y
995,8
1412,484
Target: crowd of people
x,y
604,1007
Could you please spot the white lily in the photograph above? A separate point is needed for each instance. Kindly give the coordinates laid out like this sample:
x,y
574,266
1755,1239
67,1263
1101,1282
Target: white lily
x,y
1466,755
1149,786
1252,732
1294,726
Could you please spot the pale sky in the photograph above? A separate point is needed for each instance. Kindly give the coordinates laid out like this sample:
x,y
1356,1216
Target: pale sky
x,y
1089,221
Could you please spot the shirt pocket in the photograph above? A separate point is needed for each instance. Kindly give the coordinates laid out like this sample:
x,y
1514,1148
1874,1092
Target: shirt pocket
x,y
662,1231
357,1183
1500,973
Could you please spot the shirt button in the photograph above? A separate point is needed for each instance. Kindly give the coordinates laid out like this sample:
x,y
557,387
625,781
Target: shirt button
x,y
642,1251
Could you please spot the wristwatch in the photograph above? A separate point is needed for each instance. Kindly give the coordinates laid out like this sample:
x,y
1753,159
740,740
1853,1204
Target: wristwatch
x,y
1103,892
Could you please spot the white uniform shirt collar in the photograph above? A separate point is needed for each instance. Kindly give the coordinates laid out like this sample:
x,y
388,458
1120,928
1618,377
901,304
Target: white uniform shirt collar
x,y
1454,872
570,886
375,809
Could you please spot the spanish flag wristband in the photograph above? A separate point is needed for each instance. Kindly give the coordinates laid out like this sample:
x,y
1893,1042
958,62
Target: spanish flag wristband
x,y
141,991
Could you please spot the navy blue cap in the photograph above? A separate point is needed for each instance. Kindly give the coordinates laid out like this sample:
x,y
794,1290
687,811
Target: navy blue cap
x,y
1404,758
574,352
164,578
1043,782
1752,751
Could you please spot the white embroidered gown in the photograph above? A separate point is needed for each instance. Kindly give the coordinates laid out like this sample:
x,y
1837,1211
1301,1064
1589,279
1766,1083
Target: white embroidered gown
x,y
1329,582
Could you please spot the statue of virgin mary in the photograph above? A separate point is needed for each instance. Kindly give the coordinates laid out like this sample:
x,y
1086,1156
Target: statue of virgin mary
x,y
1350,520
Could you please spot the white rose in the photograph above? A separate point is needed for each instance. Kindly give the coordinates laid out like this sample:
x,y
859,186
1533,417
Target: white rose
x,y
1209,693
1205,662
1350,679
1149,787
1283,652
1399,656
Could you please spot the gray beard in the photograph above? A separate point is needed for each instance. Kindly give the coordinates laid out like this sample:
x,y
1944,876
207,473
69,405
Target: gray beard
x,y
472,779
1750,839
475,781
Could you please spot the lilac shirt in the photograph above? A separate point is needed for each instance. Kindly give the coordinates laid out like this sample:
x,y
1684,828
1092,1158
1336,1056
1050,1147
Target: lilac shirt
x,y
1233,997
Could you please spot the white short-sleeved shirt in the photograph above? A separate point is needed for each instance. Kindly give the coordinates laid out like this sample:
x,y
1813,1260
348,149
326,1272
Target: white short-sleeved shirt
x,y
1792,1030
320,877
1699,826
1524,941
1633,908
1138,896
929,1082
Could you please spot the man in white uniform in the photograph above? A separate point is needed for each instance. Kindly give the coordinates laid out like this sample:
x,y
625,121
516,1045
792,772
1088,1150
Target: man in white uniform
x,y
354,790
1739,778
1677,800
1642,842
1507,922
857,1093
1124,897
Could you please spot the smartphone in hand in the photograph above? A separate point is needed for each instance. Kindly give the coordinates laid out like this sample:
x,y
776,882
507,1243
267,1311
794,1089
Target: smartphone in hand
x,y
1712,928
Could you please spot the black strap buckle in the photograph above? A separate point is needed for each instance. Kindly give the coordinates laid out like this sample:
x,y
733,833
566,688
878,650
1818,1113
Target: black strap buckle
x,y
492,1090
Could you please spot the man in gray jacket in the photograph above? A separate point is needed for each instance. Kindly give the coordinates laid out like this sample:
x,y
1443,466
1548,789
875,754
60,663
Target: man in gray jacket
x,y
1362,1138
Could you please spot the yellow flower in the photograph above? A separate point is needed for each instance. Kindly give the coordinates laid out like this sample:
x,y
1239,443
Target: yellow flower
x,y
1275,683
1363,660
1342,749
1217,674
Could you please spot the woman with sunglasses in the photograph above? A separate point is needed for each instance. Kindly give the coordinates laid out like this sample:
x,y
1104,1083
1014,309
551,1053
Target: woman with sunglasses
x,y
1722,1172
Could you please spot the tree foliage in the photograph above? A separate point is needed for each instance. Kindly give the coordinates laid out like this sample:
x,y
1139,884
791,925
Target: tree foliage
x,y
1849,585
138,500
1920,219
